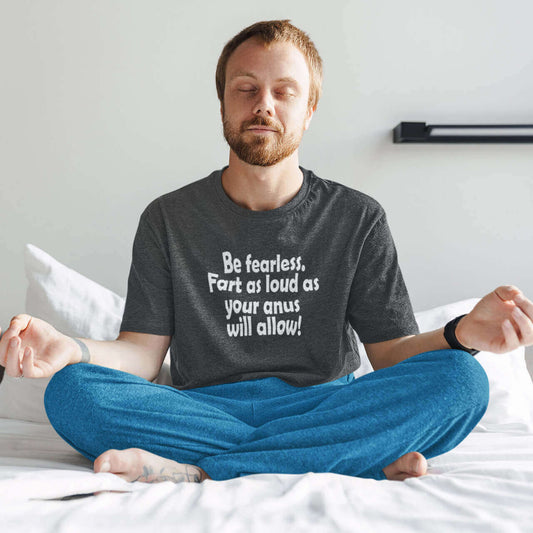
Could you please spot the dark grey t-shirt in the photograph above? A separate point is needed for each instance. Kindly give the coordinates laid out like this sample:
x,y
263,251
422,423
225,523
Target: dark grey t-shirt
x,y
250,294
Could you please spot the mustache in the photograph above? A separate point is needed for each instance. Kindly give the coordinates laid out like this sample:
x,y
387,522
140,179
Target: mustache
x,y
261,121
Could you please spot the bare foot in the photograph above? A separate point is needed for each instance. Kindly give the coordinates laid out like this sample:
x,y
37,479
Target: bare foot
x,y
135,464
406,466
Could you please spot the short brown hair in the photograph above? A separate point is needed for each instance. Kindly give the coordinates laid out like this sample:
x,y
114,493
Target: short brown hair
x,y
275,31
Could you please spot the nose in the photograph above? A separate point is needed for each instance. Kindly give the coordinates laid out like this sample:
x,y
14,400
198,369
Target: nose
x,y
264,104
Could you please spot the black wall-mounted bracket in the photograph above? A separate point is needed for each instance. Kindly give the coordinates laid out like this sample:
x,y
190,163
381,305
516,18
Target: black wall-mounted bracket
x,y
420,132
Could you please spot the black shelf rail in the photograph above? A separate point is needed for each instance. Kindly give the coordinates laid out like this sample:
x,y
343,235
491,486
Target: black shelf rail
x,y
420,132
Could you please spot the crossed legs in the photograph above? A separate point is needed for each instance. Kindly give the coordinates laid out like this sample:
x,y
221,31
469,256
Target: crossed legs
x,y
377,426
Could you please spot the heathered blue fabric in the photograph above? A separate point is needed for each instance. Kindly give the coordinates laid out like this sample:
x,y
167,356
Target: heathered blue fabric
x,y
428,403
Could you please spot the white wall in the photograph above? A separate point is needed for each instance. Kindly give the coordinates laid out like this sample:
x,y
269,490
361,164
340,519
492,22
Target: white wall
x,y
106,104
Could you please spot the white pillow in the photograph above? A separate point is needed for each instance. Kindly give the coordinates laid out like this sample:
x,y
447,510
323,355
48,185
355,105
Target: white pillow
x,y
511,389
77,306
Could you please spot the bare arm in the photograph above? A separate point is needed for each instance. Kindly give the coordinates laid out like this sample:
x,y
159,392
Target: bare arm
x,y
500,322
35,349
388,353
141,354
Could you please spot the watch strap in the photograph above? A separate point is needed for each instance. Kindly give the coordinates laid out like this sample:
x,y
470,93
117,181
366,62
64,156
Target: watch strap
x,y
449,335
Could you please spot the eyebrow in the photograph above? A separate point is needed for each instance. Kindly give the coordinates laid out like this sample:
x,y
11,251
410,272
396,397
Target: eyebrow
x,y
245,73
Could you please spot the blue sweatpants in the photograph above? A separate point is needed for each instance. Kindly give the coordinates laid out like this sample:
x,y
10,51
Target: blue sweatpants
x,y
427,403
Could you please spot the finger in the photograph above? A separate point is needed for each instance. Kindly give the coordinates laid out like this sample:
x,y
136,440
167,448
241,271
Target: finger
x,y
524,324
3,348
524,304
9,333
13,358
507,292
511,339
18,323
27,362
29,370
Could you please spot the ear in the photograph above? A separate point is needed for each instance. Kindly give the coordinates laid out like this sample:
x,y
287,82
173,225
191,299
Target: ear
x,y
310,113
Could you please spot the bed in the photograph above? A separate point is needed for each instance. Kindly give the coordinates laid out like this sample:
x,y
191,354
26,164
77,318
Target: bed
x,y
484,484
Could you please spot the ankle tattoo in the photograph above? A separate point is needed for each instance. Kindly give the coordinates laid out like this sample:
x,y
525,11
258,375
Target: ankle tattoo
x,y
190,474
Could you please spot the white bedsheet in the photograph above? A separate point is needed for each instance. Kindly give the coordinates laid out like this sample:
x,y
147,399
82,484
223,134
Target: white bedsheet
x,y
485,485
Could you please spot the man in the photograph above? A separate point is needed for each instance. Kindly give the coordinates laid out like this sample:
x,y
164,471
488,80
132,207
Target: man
x,y
257,277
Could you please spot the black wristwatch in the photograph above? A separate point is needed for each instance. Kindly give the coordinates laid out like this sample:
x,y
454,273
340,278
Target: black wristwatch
x,y
449,335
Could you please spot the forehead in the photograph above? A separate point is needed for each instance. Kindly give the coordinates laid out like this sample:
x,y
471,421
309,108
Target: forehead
x,y
276,61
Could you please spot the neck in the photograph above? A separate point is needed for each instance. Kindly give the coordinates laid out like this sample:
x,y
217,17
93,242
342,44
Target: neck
x,y
262,188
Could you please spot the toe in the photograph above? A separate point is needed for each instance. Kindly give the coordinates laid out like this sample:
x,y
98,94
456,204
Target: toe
x,y
105,462
117,462
412,464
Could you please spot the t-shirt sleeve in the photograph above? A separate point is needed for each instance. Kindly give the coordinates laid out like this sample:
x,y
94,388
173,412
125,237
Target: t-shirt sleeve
x,y
379,308
149,306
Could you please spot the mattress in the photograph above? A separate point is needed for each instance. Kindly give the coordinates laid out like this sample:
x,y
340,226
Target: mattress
x,y
485,484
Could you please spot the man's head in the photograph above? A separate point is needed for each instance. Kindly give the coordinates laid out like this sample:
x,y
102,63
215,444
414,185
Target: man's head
x,y
275,31
268,82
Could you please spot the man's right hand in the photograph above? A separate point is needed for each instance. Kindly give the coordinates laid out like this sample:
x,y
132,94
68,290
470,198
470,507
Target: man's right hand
x,y
32,348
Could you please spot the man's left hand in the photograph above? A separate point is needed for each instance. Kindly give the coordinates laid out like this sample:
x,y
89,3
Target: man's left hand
x,y
499,323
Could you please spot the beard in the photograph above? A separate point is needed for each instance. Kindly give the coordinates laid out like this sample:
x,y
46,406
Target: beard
x,y
261,150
